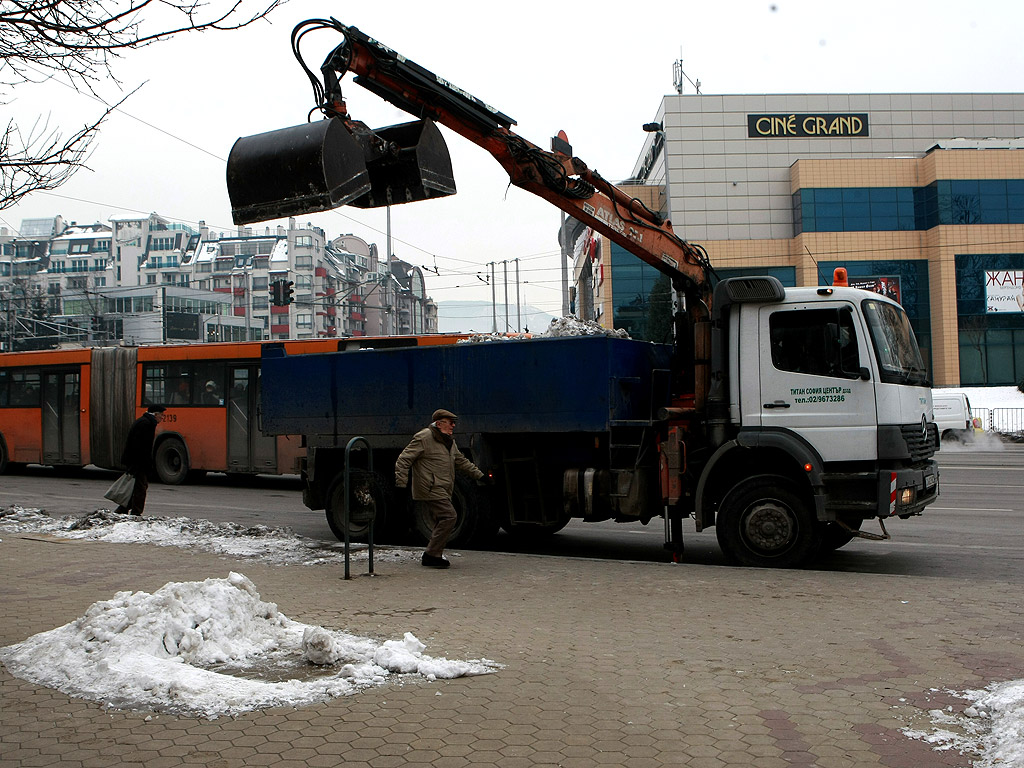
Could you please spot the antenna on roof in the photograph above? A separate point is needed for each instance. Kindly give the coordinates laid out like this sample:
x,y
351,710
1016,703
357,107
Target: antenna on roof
x,y
679,76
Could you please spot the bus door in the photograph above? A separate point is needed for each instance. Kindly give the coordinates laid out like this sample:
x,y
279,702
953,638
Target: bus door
x,y
249,450
61,417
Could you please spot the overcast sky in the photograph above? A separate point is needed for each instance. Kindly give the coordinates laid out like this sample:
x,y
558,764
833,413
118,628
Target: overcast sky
x,y
596,71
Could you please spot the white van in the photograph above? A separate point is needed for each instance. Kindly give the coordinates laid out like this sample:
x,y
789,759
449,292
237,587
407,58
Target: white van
x,y
953,415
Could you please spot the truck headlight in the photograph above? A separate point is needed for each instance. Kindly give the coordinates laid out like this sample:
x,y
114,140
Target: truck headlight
x,y
907,496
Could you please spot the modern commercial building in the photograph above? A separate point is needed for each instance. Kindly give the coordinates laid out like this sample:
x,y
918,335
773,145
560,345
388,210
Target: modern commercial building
x,y
917,195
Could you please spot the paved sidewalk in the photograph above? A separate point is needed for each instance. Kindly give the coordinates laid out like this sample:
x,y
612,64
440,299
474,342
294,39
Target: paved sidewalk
x,y
607,663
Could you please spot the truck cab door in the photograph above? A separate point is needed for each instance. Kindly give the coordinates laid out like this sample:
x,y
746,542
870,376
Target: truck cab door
x,y
814,379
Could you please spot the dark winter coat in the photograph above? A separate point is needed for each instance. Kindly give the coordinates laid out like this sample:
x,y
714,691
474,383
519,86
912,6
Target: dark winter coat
x,y
138,448
433,458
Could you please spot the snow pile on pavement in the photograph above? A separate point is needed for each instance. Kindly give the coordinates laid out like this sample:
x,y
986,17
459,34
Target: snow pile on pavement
x,y
993,726
203,648
273,545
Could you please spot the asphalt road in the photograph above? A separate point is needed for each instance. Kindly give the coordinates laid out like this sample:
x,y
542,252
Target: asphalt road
x,y
973,531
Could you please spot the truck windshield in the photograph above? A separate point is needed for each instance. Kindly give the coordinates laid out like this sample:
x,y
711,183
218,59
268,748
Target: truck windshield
x,y
899,357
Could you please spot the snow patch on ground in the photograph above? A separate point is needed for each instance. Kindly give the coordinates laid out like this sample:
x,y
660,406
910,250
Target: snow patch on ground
x,y
992,726
207,648
268,544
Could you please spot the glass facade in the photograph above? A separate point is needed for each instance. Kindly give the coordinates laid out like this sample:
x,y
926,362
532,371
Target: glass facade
x,y
641,298
909,286
874,209
991,343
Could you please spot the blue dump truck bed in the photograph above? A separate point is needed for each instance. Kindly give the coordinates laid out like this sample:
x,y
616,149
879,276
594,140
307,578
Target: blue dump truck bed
x,y
567,384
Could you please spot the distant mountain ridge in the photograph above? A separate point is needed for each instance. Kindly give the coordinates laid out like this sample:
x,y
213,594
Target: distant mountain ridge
x,y
476,317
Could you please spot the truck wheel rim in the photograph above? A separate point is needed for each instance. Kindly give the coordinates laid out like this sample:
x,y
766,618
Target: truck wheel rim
x,y
769,527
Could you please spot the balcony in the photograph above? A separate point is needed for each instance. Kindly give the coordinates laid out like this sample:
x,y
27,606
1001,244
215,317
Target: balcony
x,y
278,310
279,328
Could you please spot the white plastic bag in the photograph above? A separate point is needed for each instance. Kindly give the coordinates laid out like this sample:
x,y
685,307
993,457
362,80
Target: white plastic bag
x,y
120,492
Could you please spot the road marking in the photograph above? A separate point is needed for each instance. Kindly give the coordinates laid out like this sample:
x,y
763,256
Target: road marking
x,y
968,509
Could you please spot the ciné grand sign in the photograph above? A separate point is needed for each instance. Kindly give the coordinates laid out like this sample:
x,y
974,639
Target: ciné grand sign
x,y
821,126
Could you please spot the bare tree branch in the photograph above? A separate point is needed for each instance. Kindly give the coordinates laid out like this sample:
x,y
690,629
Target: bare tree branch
x,y
80,41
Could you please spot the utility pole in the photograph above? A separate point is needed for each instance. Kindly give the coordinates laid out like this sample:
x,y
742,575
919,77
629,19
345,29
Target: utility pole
x,y
494,301
504,265
519,313
565,268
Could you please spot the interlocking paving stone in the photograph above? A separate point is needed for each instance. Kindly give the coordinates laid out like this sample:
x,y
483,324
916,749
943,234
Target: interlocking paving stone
x,y
606,663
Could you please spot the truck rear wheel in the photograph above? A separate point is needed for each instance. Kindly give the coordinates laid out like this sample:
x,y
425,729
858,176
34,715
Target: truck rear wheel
x,y
765,522
365,499
476,524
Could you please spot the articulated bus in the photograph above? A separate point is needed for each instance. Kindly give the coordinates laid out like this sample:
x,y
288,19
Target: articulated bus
x,y
72,407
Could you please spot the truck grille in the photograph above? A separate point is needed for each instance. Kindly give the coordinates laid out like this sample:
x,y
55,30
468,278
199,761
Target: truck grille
x,y
920,443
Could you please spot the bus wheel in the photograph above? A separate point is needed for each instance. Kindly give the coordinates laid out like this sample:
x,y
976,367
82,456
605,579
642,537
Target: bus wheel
x,y
366,500
765,522
171,461
476,525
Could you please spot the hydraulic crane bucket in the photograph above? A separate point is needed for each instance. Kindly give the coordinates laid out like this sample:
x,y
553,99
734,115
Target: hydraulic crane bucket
x,y
414,166
303,169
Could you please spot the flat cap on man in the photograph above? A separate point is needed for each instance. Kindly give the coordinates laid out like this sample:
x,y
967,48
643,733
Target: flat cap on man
x,y
441,413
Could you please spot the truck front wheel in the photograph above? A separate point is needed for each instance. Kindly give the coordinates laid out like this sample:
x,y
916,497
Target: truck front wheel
x,y
765,522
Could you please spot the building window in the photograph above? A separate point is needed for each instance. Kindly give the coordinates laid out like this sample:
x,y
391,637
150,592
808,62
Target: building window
x,y
943,202
304,321
304,241
304,261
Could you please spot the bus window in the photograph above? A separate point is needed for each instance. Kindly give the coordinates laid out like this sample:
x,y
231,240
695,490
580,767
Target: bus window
x,y
24,389
183,384
4,396
209,383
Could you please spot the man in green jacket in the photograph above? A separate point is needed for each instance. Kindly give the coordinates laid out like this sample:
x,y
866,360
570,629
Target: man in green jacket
x,y
433,458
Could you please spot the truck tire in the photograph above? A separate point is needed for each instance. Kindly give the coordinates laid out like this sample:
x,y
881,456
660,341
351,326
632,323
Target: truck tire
x,y
476,525
171,461
765,522
365,497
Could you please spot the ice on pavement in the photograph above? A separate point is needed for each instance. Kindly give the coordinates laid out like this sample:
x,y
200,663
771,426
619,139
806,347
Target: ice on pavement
x,y
176,651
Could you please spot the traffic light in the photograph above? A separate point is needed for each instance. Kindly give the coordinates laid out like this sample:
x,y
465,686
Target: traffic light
x,y
281,292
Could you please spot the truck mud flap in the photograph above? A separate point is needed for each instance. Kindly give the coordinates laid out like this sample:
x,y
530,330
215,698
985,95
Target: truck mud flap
x,y
323,165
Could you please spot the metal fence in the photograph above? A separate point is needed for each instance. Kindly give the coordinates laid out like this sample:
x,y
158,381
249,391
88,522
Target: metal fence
x,y
1005,421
